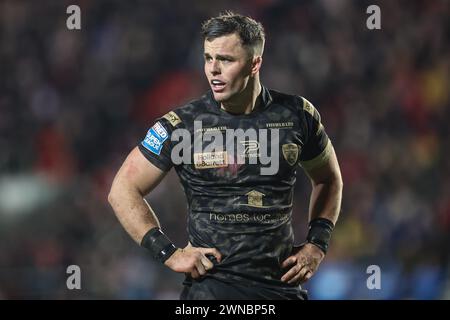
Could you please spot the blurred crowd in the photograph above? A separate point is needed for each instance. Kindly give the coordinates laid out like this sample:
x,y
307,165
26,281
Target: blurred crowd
x,y
73,103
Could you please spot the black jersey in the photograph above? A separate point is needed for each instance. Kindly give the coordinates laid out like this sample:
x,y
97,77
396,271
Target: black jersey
x,y
233,204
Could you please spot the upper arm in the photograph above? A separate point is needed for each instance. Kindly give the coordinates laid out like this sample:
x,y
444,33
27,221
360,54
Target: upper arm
x,y
138,174
326,169
318,157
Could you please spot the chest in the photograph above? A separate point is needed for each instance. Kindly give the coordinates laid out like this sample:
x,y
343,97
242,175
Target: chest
x,y
268,144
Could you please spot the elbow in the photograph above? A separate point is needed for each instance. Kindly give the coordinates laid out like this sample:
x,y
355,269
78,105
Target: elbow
x,y
121,191
111,198
339,183
113,195
333,181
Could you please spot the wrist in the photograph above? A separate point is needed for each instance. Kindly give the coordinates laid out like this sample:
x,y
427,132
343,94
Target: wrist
x,y
319,233
314,249
159,245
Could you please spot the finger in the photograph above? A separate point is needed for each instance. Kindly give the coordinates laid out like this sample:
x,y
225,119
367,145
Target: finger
x,y
299,277
207,263
189,245
304,275
194,273
289,261
295,279
212,251
291,273
306,278
200,268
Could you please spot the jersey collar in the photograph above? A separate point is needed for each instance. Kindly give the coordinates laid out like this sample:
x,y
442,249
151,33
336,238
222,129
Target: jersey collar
x,y
264,102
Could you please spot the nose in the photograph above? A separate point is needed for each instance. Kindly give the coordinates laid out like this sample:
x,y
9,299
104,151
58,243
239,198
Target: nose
x,y
214,67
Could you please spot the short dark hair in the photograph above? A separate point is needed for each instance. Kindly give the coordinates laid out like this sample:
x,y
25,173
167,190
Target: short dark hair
x,y
250,31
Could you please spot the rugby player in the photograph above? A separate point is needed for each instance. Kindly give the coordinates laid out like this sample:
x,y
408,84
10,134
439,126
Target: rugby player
x,y
241,241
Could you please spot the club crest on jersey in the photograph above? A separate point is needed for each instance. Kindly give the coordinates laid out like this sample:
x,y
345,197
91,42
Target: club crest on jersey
x,y
290,153
155,138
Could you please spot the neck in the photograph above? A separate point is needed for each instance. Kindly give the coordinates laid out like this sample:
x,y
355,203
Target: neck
x,y
246,101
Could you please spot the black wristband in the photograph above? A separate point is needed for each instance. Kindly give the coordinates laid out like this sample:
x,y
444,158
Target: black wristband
x,y
158,244
319,233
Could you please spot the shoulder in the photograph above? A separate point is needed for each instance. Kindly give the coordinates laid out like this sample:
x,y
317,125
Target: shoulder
x,y
285,98
309,110
292,101
183,114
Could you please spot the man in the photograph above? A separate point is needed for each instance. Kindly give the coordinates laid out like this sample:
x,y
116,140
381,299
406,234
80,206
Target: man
x,y
237,162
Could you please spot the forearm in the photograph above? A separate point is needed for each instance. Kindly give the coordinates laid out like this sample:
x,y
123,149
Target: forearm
x,y
325,201
132,210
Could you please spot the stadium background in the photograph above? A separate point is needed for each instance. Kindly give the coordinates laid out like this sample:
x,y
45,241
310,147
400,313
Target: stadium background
x,y
73,103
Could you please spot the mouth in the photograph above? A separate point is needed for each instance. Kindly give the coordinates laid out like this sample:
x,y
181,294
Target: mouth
x,y
217,85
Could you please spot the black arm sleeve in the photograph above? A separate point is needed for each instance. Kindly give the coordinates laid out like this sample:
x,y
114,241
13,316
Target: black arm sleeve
x,y
157,146
316,149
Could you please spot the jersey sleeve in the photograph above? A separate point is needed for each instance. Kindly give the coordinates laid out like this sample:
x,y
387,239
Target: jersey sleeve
x,y
157,145
317,146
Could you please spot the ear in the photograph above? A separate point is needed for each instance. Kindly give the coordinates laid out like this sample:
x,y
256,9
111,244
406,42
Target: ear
x,y
256,65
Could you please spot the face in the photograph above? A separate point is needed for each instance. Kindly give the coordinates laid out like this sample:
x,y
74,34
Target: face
x,y
228,67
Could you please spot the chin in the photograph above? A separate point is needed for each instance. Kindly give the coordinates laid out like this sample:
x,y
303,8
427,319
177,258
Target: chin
x,y
220,97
